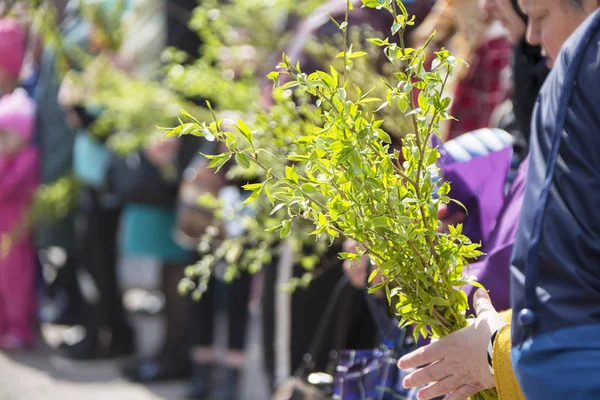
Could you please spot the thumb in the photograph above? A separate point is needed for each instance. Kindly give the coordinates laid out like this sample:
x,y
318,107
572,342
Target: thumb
x,y
482,301
350,246
443,211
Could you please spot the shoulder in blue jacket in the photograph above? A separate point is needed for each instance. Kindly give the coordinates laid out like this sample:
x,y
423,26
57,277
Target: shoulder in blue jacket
x,y
565,278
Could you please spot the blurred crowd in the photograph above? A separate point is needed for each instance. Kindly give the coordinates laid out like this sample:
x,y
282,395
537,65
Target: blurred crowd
x,y
137,209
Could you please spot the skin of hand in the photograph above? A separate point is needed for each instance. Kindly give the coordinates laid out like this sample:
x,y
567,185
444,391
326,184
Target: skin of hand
x,y
357,269
69,95
449,219
503,11
10,144
456,364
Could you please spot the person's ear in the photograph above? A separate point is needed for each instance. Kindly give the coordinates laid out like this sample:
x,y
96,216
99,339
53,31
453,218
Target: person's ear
x,y
589,6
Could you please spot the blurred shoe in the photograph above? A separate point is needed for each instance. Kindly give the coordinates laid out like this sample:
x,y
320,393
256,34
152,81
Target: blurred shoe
x,y
227,389
200,383
60,311
100,344
157,370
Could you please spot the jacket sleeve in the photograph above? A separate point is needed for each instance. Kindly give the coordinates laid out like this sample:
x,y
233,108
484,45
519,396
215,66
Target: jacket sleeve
x,y
19,177
506,382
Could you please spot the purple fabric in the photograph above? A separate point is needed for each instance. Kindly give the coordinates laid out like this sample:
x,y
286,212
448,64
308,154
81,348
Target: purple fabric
x,y
493,270
492,219
370,374
479,185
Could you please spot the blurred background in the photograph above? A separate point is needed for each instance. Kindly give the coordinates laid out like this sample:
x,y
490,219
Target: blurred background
x,y
130,270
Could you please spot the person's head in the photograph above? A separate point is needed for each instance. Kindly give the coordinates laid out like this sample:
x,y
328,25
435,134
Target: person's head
x,y
17,114
551,22
505,12
12,51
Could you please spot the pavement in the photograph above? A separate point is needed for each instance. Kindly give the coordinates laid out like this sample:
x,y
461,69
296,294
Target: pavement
x,y
21,382
40,374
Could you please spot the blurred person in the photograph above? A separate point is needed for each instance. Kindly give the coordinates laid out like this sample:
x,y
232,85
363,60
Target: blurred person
x,y
107,333
217,377
99,221
55,137
189,340
529,73
512,116
147,229
18,181
471,35
168,26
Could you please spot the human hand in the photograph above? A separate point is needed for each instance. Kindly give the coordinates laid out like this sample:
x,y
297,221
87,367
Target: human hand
x,y
10,143
70,94
356,270
456,364
447,218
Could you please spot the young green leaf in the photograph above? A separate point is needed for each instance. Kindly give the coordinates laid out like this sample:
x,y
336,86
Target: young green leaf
x,y
373,275
290,173
219,160
244,130
285,228
242,160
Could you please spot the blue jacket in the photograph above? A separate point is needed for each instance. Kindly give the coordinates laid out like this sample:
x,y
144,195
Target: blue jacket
x,y
148,231
563,271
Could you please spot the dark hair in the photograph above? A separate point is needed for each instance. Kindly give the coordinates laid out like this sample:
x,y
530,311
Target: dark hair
x,y
518,10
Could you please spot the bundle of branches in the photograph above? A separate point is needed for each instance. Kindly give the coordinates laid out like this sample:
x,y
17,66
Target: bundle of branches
x,y
348,182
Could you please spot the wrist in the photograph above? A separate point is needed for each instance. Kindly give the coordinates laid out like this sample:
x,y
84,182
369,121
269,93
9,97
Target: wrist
x,y
490,350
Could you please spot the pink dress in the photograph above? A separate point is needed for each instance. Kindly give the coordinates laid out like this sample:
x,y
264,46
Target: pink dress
x,y
18,181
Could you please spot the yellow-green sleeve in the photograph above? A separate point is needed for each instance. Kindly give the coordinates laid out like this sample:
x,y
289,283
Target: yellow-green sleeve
x,y
506,382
